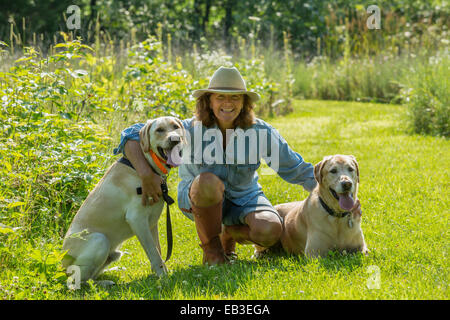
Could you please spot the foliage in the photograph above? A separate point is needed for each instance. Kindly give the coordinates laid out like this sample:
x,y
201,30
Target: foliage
x,y
427,94
224,22
169,85
48,160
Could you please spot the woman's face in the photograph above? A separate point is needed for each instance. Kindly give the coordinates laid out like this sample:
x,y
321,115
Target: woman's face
x,y
226,108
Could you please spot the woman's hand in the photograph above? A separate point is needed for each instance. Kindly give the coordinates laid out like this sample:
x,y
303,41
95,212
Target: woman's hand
x,y
151,188
151,182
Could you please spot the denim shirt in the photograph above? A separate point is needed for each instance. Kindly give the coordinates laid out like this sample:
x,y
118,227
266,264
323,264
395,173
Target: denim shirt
x,y
236,165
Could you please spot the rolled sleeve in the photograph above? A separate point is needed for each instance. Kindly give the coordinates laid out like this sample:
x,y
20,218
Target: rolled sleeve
x,y
131,133
310,184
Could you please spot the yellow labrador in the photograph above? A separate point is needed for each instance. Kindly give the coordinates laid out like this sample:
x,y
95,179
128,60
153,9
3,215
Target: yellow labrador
x,y
113,211
323,221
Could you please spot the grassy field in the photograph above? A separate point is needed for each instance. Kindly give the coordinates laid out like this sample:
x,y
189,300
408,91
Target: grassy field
x,y
405,201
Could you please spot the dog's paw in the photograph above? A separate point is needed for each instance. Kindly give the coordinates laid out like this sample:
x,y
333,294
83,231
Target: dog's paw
x,y
160,270
365,251
259,252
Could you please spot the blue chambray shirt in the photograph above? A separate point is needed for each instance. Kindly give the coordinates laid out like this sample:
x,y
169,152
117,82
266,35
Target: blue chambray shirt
x,y
236,166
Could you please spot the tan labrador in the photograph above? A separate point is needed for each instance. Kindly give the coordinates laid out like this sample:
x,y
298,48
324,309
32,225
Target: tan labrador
x,y
323,221
113,211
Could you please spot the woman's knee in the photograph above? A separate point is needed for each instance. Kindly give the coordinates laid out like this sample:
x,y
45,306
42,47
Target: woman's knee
x,y
206,189
265,228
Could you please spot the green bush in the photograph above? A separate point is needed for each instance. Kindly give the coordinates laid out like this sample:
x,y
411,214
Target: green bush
x,y
154,86
427,95
49,159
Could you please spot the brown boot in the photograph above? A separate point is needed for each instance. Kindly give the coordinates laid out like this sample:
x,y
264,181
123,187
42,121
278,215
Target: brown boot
x,y
232,234
228,243
208,222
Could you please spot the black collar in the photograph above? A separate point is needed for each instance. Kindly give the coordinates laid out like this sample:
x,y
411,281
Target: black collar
x,y
127,162
330,211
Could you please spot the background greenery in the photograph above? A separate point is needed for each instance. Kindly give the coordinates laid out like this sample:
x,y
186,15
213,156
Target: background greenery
x,y
303,48
65,96
221,22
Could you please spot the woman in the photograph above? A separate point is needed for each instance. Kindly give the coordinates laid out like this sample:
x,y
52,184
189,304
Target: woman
x,y
226,190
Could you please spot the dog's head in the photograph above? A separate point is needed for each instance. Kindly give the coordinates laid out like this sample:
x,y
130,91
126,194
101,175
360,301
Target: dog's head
x,y
338,178
164,136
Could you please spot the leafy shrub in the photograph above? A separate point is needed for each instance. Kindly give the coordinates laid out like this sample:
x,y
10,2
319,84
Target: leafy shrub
x,y
49,164
156,87
427,95
49,161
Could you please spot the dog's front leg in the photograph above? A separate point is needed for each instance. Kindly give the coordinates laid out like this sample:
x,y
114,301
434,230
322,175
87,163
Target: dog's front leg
x,y
140,226
155,234
314,247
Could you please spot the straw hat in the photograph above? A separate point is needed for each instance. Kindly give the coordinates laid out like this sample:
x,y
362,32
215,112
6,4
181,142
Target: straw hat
x,y
227,80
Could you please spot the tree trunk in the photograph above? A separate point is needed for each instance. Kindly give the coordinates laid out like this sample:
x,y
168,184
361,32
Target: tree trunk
x,y
206,17
228,22
197,13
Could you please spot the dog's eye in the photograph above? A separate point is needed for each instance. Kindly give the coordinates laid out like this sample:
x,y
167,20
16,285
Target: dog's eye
x,y
351,169
334,170
176,127
160,130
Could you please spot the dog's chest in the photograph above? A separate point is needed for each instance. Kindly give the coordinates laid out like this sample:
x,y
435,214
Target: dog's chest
x,y
343,231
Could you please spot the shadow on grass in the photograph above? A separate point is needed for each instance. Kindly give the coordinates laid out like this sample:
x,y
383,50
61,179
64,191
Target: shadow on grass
x,y
225,281
194,282
334,261
338,262
216,282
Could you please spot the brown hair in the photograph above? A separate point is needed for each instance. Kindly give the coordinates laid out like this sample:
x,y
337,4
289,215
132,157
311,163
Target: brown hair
x,y
205,114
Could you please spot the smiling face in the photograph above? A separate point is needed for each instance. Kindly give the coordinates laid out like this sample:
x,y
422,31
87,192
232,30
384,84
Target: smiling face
x,y
338,178
226,108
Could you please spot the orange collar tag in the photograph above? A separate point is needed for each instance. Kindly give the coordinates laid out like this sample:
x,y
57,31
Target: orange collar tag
x,y
158,161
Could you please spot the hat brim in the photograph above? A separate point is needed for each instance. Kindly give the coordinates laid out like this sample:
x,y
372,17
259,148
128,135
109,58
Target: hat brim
x,y
253,95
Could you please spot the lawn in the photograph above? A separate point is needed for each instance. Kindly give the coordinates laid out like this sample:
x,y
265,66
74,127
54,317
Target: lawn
x,y
405,202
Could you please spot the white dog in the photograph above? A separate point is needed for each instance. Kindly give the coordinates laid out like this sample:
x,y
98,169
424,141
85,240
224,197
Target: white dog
x,y
113,211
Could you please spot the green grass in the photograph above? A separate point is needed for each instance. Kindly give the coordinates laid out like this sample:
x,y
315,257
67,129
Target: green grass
x,y
405,202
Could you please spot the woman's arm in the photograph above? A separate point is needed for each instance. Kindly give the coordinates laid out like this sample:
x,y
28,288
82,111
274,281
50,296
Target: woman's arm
x,y
151,182
131,149
289,164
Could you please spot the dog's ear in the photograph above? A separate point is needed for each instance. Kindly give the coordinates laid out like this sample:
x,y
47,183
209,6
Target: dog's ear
x,y
144,136
179,122
318,168
356,165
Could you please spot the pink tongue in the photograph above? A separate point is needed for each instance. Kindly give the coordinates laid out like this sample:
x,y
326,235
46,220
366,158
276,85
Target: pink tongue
x,y
346,202
170,161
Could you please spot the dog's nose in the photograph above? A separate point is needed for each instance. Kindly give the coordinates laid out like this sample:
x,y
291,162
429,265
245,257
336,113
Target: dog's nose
x,y
173,143
174,140
346,185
